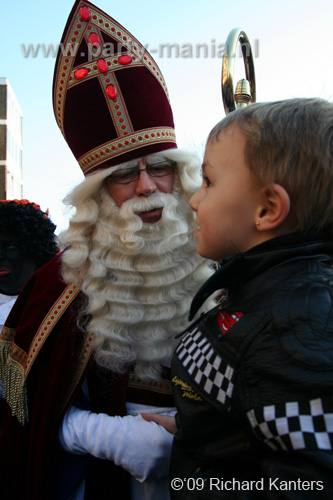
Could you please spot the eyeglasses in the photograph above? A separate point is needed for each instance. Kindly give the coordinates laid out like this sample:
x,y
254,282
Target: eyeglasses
x,y
131,174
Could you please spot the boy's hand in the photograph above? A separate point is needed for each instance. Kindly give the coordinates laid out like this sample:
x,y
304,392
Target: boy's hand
x,y
169,423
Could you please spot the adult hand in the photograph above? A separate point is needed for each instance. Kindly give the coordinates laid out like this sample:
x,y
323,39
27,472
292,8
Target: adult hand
x,y
139,445
169,423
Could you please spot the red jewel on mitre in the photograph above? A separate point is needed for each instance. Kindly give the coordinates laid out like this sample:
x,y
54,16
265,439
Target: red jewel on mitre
x,y
85,13
94,39
102,66
80,73
111,91
125,59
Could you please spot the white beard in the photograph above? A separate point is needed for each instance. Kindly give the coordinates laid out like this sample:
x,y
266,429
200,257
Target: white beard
x,y
139,280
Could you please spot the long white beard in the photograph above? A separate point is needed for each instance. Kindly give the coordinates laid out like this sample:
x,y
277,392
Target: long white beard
x,y
139,279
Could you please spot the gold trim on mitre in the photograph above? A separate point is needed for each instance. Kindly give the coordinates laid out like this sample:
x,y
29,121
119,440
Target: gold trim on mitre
x,y
127,143
79,30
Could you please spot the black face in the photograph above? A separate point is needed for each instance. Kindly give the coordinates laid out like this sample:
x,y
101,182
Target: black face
x,y
15,266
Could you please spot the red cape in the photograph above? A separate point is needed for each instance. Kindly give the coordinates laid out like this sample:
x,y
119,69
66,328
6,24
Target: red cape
x,y
43,369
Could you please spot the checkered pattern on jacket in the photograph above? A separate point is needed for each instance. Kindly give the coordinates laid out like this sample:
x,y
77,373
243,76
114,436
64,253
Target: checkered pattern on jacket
x,y
295,425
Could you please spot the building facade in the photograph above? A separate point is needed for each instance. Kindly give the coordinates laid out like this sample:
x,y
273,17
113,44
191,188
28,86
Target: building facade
x,y
10,143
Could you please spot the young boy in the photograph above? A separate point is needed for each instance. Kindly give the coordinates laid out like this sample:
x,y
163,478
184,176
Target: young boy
x,y
253,379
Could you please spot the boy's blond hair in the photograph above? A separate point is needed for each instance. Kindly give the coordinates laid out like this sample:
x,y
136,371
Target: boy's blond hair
x,y
290,143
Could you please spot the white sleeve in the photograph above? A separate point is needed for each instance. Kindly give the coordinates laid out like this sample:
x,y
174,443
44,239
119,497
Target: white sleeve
x,y
140,447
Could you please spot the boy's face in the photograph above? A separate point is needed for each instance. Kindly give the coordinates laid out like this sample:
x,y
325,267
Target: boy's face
x,y
227,202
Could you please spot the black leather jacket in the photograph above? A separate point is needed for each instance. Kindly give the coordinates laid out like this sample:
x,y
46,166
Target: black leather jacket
x,y
253,379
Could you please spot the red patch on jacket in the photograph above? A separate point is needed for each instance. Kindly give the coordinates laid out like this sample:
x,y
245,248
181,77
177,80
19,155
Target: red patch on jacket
x,y
226,321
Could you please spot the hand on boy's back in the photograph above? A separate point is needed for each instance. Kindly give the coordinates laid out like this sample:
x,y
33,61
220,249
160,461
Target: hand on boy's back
x,y
169,423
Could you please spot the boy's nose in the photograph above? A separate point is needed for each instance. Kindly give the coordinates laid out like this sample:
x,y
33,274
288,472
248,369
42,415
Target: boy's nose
x,y
194,201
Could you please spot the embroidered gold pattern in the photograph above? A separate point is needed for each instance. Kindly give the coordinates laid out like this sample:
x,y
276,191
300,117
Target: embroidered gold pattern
x,y
81,28
117,107
7,333
93,70
12,374
188,391
49,322
118,146
134,47
6,339
162,386
16,363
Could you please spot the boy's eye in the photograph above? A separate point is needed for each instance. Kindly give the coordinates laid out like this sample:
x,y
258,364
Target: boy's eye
x,y
206,181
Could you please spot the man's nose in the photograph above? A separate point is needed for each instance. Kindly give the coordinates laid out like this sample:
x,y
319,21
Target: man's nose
x,y
145,184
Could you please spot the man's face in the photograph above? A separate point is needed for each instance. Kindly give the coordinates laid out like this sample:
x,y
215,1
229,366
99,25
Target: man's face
x,y
141,179
15,266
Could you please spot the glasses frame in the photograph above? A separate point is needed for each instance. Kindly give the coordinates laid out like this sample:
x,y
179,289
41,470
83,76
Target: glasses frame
x,y
137,170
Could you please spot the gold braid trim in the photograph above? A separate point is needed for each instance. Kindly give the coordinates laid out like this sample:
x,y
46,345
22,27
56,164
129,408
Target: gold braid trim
x,y
163,386
15,391
15,363
12,376
6,339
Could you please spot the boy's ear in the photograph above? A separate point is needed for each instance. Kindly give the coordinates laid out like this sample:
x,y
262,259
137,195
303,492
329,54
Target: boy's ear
x,y
274,209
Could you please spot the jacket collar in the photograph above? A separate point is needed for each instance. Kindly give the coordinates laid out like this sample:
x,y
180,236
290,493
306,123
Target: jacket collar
x,y
242,267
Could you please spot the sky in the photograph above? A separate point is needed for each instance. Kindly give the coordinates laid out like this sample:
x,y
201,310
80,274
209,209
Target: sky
x,y
293,57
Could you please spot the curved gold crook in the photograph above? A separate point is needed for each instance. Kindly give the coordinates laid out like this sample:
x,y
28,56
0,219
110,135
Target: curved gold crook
x,y
245,92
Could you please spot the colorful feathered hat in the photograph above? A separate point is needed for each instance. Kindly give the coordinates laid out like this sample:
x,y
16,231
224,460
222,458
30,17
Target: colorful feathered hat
x,y
109,96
